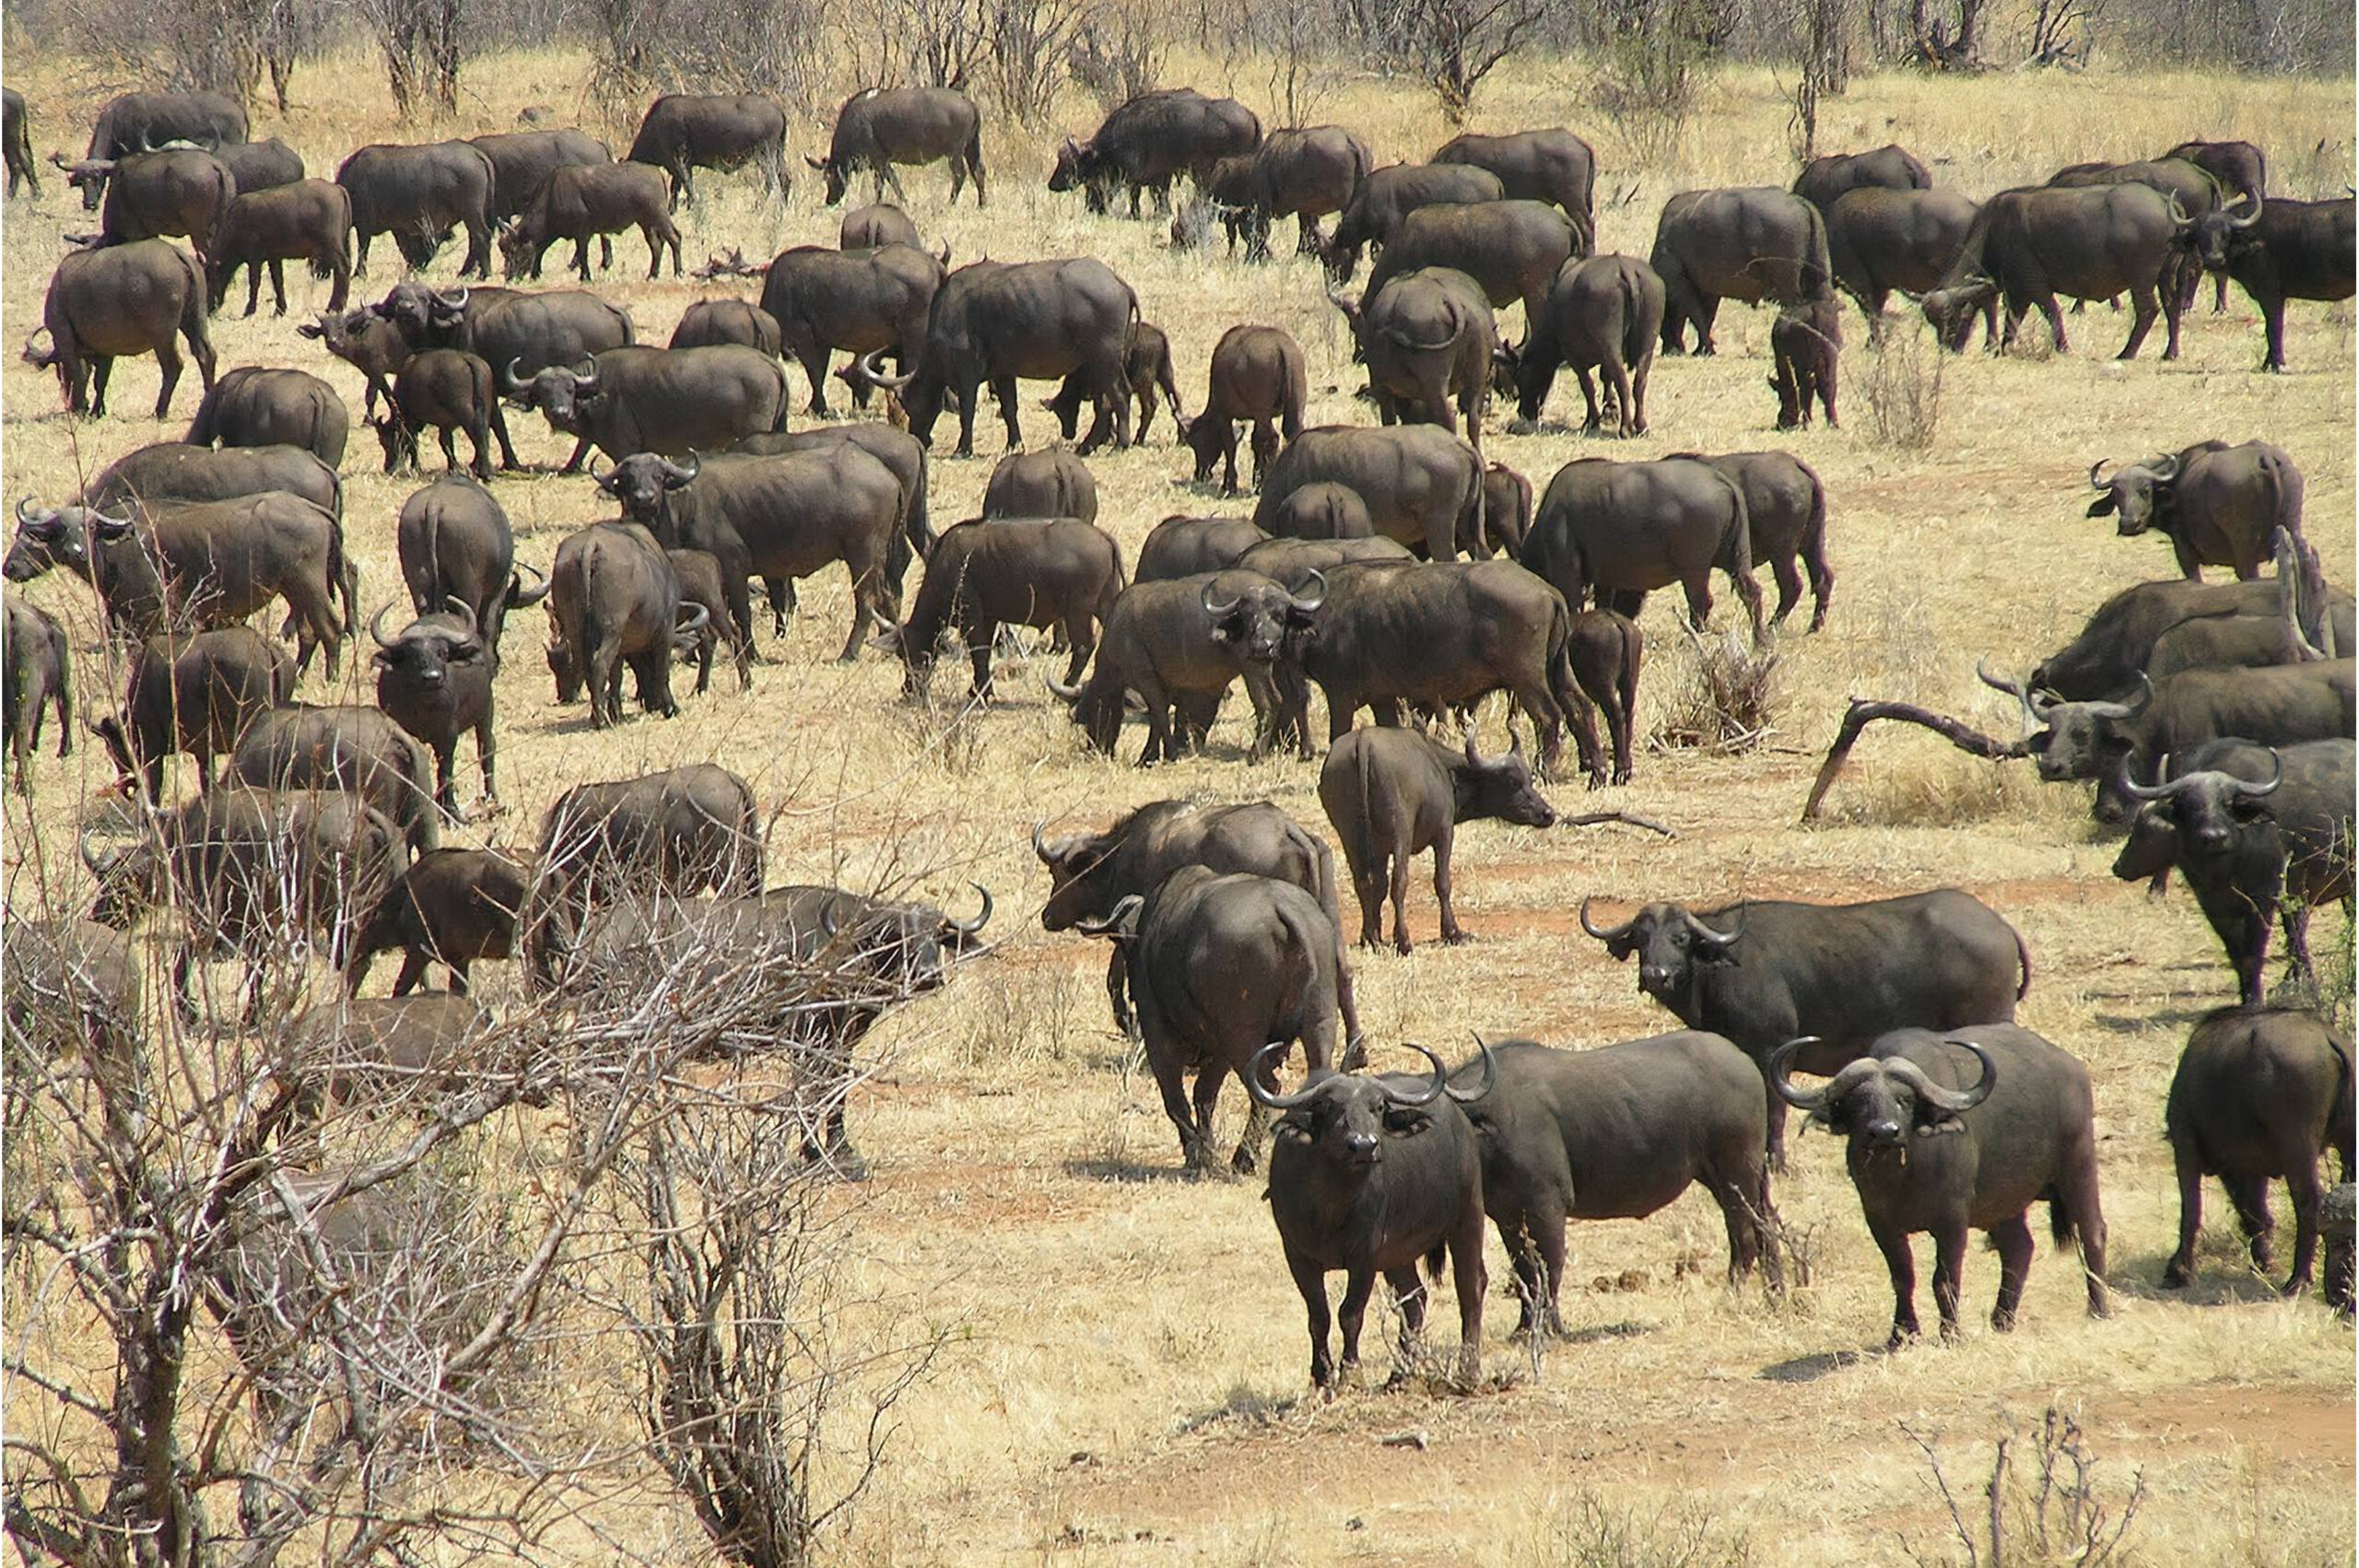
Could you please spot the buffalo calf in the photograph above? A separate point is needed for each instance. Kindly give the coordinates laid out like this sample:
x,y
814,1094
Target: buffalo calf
x,y
1805,342
452,907
39,677
1257,374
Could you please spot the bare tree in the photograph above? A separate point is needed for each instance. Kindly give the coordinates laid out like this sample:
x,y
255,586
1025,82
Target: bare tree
x,y
1450,44
420,43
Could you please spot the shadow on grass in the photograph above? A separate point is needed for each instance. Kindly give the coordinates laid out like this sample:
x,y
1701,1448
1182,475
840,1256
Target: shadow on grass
x,y
1810,1368
1244,1406
1107,1168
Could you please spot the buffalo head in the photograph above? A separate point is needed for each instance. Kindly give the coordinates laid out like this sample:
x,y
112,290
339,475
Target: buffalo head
x,y
832,173
1501,788
2205,811
563,664
432,654
1069,170
89,175
2135,497
564,396
2076,739
642,481
1877,1104
1347,1117
1672,948
1951,312
1082,872
423,313
57,536
2224,234
1255,618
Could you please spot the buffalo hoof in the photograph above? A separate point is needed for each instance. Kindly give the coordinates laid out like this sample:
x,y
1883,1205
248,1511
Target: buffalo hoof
x,y
2175,1276
1456,939
1520,427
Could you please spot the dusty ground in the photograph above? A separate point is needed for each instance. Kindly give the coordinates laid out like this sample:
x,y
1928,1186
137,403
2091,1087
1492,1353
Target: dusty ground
x,y
1129,1388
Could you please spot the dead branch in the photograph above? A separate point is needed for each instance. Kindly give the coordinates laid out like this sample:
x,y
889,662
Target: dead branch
x,y
1865,711
1627,819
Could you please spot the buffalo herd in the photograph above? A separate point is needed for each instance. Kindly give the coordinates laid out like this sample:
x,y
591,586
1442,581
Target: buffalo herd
x,y
1394,568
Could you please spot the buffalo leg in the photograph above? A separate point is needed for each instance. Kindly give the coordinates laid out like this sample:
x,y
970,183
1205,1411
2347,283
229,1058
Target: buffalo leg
x,y
868,601
1192,1146
486,754
652,673
966,396
1451,931
1410,1291
1310,1279
457,968
413,973
1470,1281
2303,1190
1699,599
2011,1239
1206,1098
2295,917
1949,1274
779,591
1790,588
1118,992
1538,1251
2249,1197
1368,883
2142,320
2181,1268
580,450
1359,1284
980,641
1400,859
2047,303
1080,641
2273,319
1265,452
1004,393
1902,1266
168,361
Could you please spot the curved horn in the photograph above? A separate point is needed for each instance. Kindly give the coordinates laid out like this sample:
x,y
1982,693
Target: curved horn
x,y
377,621
107,527
591,468
673,470
1475,752
1951,1100
827,919
585,377
456,298
2180,219
2095,483
2250,219
700,619
520,596
2161,788
2166,468
1122,911
1490,1076
1263,1097
1432,1089
1780,1063
1604,933
2033,718
2245,787
1039,844
973,926
465,611
1306,606
866,366
22,502
1712,938
2119,710
1063,694
509,380
1205,597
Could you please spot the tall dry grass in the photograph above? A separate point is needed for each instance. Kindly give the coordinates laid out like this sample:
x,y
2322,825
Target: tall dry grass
x,y
1131,1390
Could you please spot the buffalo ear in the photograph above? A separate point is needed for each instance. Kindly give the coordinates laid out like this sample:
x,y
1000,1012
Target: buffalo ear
x,y
2102,505
1715,954
1405,1121
1930,1115
2246,809
1293,1128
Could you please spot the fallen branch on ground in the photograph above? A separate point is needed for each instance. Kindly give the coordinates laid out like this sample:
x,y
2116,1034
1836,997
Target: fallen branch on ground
x,y
1627,819
1865,711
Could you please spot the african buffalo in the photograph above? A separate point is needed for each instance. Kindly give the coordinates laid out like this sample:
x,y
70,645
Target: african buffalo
x,y
2089,243
179,191
879,223
1621,529
450,390
2119,640
685,132
1427,338
1257,374
1048,483
1512,250
1323,510
140,120
434,680
452,907
1146,369
1184,547
1142,144
1878,240
1051,571
709,321
71,989
884,126
1302,174
250,406
17,143
368,343
863,301
194,694
1889,167
513,331
166,472
361,751
897,450
2281,250
1422,485
581,202
701,588
1536,166
1750,244
39,675
2259,1095
1392,794
116,300
521,163
1785,510
416,195
1603,313
261,166
672,401
1387,196
613,601
2218,505
1606,649
453,541
1805,343
1843,973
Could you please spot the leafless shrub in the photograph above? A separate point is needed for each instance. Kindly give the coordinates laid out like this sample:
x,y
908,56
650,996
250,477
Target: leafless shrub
x,y
1587,1531
420,42
1902,386
1450,44
1117,54
1725,697
787,50
2045,1512
1652,75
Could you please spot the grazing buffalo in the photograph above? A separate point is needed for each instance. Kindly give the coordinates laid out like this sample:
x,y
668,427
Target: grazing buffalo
x,y
709,321
1878,240
2219,505
138,120
1427,338
17,143
1323,510
194,694
878,224
1422,485
434,680
1512,250
208,564
1222,965
1938,1144
1603,313
38,676
116,300
1606,649
1370,1174
255,871
991,322
2090,242
521,163
2278,251
1805,343
862,301
2237,641
361,751
1257,374
1388,194
776,517
1051,571
450,389
898,451
1146,369
582,202
452,907
1622,530
166,472
613,601
261,166
1618,1132
516,332
1091,874
1186,546
672,401
685,132
1048,483
1536,166
1392,794
1889,167
453,541
250,406
2259,1095
1750,244
1302,174
180,193
1150,140
701,588
884,126
417,194
1843,973
1785,510
384,1052
2260,835
1190,637
2119,640
71,989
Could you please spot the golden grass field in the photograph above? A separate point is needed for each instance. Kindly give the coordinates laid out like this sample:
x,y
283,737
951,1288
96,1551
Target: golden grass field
x,y
1129,1384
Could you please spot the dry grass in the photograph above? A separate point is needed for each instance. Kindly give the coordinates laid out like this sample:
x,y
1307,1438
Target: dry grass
x,y
1130,1393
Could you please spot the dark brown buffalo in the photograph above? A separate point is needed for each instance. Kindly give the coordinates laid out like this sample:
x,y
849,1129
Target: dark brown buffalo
x,y
434,680
1187,546
450,389
1512,250
1427,338
368,343
194,694
1622,530
417,194
1964,1130
38,676
2241,171
1506,514
726,321
1878,240
1785,509
2259,1095
71,989
581,202
177,191
685,132
453,541
991,322
862,301
1762,971
140,120
17,143
1889,167
1805,344
879,223
2218,505
1048,572
897,450
703,587
261,166
1368,1175
1257,374
1302,174
2119,640
884,126
1391,193
1536,166
389,1051
2090,242
2279,250
1603,313
452,907
1047,484
1606,649
1149,141
1323,510
117,300
1146,369
1392,794
1422,485
613,601
342,746
672,400
521,163
514,332
1617,1132
166,472
1750,244
250,406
